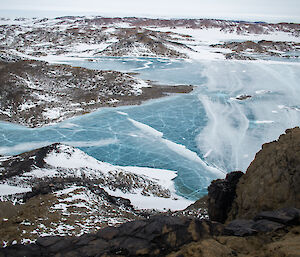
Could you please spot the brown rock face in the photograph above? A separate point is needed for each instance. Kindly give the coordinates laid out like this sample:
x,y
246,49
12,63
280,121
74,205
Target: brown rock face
x,y
272,181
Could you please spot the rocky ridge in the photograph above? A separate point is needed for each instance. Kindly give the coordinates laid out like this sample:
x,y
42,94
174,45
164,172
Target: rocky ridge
x,y
249,50
142,37
176,237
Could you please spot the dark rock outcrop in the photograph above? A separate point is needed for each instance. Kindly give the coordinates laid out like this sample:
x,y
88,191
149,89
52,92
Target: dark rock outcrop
x,y
284,216
272,180
221,193
176,236
25,161
263,222
156,236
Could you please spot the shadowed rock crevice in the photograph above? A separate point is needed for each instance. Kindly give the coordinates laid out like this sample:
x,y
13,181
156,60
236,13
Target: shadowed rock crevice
x,y
221,194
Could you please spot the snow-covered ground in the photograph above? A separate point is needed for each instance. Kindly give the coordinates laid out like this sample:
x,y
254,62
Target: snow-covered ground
x,y
145,187
65,37
68,192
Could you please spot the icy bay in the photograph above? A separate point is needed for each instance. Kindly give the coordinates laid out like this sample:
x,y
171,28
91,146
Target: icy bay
x,y
236,107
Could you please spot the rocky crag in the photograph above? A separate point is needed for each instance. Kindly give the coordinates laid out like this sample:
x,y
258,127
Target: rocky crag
x,y
272,180
262,224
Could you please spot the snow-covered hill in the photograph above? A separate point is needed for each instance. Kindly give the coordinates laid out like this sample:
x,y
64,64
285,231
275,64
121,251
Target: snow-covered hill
x,y
62,190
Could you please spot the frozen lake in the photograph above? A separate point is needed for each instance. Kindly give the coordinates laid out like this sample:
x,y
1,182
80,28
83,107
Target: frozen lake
x,y
202,135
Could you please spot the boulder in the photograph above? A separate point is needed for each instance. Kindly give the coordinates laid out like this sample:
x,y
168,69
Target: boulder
x,y
221,193
287,216
272,180
240,227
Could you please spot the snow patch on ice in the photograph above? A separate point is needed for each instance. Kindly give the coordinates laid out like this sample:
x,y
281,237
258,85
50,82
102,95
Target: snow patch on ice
x,y
264,121
23,147
122,113
10,190
178,148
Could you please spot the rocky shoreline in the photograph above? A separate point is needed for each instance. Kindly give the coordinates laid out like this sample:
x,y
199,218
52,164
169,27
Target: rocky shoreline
x,y
36,93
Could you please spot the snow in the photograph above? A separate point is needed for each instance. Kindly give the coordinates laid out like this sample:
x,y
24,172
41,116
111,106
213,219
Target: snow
x,y
163,178
147,129
74,162
136,88
10,190
264,121
261,92
42,173
51,114
69,157
150,202
123,113
84,50
26,105
216,35
203,38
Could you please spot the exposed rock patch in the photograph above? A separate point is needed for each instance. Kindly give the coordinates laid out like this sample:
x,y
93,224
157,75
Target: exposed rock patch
x,y
243,97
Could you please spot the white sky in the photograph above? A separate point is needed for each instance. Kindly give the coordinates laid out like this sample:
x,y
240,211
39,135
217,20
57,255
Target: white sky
x,y
267,10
